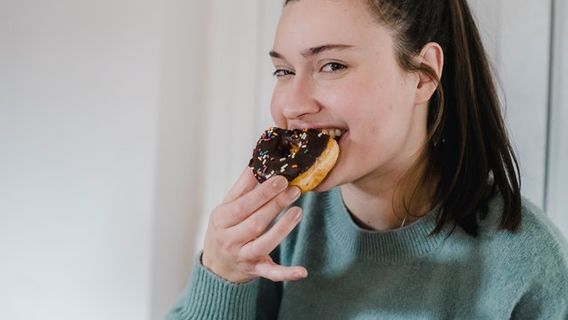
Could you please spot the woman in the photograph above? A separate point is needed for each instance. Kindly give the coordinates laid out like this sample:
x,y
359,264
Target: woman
x,y
422,217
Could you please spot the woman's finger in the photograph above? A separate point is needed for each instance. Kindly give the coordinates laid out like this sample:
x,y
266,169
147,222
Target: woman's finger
x,y
267,242
256,224
235,212
277,273
245,183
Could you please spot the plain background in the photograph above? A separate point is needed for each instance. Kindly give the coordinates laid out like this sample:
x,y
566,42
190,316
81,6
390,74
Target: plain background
x,y
117,119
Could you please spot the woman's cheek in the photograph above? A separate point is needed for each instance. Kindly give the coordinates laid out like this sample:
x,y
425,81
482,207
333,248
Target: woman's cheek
x,y
276,111
342,100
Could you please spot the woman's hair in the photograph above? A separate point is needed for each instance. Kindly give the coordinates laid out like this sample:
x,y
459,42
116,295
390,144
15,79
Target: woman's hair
x,y
467,158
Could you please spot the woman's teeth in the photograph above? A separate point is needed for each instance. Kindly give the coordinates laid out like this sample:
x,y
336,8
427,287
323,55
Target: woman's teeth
x,y
333,133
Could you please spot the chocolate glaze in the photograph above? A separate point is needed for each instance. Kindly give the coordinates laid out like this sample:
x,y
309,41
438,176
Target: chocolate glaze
x,y
288,153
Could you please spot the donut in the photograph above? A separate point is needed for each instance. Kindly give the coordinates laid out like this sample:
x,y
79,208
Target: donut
x,y
303,156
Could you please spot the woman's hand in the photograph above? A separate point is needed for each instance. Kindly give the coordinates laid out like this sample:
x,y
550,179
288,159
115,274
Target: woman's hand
x,y
238,238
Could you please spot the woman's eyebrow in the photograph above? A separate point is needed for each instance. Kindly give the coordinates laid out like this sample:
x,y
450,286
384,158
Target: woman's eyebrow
x,y
313,51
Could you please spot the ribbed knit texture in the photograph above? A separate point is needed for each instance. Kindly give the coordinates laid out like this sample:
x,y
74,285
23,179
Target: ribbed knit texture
x,y
212,297
401,274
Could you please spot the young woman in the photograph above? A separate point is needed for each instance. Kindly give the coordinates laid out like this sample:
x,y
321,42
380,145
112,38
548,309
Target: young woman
x,y
422,217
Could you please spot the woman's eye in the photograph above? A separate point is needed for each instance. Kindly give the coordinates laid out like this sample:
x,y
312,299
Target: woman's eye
x,y
333,67
281,73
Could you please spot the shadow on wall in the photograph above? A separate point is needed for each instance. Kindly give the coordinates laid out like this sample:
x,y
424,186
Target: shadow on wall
x,y
179,191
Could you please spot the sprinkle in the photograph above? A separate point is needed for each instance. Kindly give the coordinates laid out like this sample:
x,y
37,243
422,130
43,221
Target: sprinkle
x,y
294,166
282,159
283,167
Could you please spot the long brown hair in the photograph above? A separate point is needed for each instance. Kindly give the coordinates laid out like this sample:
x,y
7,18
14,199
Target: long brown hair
x,y
467,158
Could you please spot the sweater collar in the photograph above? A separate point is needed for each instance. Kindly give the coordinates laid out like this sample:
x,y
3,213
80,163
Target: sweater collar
x,y
393,246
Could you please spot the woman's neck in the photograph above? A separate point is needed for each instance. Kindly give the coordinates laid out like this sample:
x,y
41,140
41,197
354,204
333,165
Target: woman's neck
x,y
371,210
372,203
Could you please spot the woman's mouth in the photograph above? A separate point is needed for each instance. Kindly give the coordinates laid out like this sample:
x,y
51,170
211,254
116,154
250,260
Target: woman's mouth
x,y
335,133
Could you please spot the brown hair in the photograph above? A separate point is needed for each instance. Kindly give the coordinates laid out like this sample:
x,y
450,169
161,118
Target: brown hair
x,y
467,158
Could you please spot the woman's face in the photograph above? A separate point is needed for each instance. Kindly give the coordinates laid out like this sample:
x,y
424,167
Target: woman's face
x,y
336,68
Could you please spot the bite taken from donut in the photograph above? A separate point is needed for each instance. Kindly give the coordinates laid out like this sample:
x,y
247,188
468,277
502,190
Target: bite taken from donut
x,y
303,156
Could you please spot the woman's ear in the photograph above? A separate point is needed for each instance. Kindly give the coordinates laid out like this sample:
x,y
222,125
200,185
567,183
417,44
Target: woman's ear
x,y
431,55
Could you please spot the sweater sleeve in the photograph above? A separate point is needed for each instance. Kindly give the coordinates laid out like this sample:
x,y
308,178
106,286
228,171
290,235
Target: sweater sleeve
x,y
547,295
209,296
541,302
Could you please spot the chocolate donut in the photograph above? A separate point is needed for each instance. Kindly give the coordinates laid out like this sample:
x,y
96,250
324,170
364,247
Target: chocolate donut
x,y
303,156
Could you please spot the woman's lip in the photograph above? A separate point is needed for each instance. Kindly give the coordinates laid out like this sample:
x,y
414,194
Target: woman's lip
x,y
315,126
333,133
343,134
321,128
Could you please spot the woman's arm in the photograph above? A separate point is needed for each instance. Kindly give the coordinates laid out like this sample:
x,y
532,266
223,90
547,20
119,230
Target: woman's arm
x,y
209,296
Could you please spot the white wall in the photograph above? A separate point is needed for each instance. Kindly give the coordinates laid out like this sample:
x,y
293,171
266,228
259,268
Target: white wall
x,y
516,34
557,187
523,66
79,86
180,159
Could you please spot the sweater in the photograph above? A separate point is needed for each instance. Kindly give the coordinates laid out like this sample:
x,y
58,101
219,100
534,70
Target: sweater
x,y
400,274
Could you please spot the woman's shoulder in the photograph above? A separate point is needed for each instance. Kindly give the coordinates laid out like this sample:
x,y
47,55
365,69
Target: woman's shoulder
x,y
537,241
533,260
536,227
537,224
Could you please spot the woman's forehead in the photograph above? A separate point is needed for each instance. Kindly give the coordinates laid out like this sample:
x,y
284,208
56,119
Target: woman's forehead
x,y
310,23
338,12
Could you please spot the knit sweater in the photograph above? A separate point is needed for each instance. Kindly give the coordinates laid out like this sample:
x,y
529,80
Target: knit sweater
x,y
400,274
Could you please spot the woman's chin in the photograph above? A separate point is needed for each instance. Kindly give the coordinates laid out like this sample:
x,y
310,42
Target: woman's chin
x,y
327,184
322,188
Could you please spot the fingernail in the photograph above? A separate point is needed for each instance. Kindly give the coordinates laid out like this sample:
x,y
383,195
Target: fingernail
x,y
280,183
297,215
300,274
293,193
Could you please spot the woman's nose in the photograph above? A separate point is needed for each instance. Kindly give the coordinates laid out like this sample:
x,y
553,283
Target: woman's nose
x,y
299,100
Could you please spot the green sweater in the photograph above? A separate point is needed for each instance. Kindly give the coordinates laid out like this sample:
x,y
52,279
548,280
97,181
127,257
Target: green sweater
x,y
399,274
